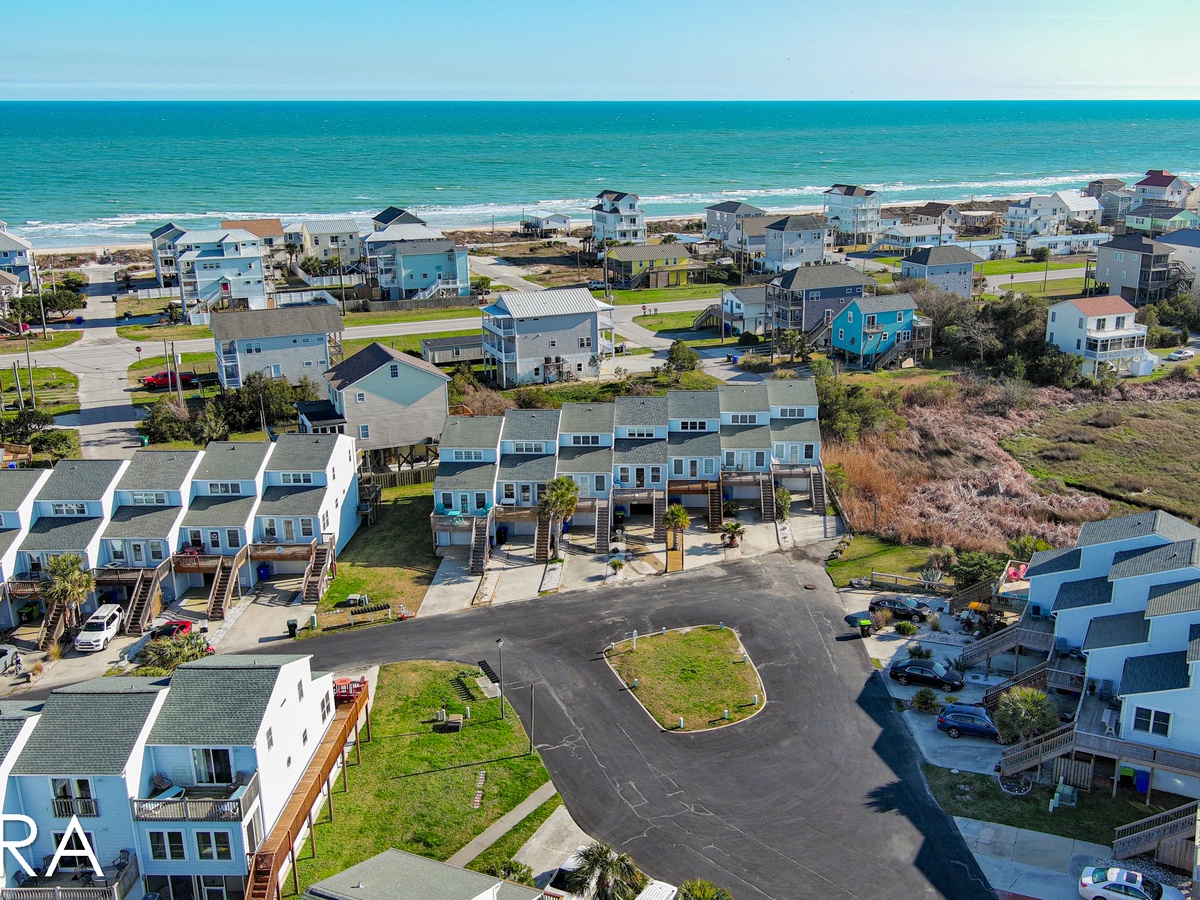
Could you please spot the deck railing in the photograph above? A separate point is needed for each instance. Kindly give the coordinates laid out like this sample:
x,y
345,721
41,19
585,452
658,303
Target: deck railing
x,y
234,808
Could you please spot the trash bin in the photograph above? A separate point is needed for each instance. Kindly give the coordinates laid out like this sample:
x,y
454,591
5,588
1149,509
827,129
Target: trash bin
x,y
293,627
264,571
1141,779
864,627
501,534
145,443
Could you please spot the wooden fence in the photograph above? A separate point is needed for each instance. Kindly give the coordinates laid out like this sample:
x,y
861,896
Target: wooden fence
x,y
429,303
403,478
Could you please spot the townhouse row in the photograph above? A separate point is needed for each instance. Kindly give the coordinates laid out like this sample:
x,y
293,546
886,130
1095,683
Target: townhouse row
x,y
178,784
168,521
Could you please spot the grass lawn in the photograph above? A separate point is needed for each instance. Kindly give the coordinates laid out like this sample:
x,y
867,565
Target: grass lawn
x,y
58,338
505,848
696,673
152,333
651,296
1092,820
57,390
1028,264
414,787
402,342
1147,460
669,321
867,554
1056,288
129,303
192,362
393,559
415,315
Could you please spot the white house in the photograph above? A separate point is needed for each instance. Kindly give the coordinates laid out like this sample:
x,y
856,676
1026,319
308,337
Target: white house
x,y
291,342
793,241
1185,246
310,493
1103,333
1160,186
329,238
907,238
720,218
744,310
162,242
537,337
1081,209
1065,244
853,212
1036,215
18,489
217,269
545,222
617,216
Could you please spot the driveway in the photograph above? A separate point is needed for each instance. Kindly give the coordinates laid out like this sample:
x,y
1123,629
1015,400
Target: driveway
x,y
818,795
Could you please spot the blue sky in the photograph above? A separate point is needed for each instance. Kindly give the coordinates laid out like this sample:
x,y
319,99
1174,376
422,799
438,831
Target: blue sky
x,y
609,50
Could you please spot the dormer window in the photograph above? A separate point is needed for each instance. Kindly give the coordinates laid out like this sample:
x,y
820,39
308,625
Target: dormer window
x,y
585,440
743,419
529,447
148,498
297,478
224,487
468,456
1101,324
69,509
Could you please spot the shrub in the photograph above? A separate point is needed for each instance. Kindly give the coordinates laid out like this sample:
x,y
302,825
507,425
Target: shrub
x,y
1181,373
881,619
957,664
933,393
753,362
916,651
935,622
530,398
1040,254
1130,484
1106,418
926,700
908,629
1025,546
974,567
1024,712
730,509
748,339
783,503
941,558
1077,436
783,374
1060,453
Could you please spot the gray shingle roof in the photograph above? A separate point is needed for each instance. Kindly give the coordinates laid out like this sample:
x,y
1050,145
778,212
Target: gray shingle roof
x,y
320,412
584,460
1048,562
799,223
1076,594
1138,525
1193,650
630,451
291,501
297,452
218,701
1176,597
744,397
526,467
10,726
885,303
640,411
1136,243
791,391
1156,672
466,432
693,405
283,321
232,460
219,512
531,425
465,476
15,485
80,479
586,418
794,430
941,256
808,278
746,437
465,341
377,879
370,359
736,206
1164,558
1117,631
90,728
7,537
694,443
55,533
157,470
154,522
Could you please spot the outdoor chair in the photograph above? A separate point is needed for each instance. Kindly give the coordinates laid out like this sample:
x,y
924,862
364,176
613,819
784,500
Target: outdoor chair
x,y
23,879
1106,689
121,861
161,782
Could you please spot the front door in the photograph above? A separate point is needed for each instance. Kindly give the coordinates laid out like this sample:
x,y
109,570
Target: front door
x,y
289,530
694,468
743,459
639,475
139,554
214,540
794,453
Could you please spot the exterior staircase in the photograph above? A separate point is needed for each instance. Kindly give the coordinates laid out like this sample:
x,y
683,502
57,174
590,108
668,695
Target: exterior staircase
x,y
541,540
817,481
141,601
52,627
885,359
766,493
603,525
710,317
316,579
1008,639
715,512
1037,751
479,544
223,583
660,509
976,593
1035,677
820,333
1149,834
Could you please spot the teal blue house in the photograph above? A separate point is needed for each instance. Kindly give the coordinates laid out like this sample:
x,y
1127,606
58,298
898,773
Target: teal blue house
x,y
872,332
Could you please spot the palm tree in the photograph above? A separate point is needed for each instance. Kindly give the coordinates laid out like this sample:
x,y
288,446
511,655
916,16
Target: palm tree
x,y
732,532
292,250
670,239
605,874
163,655
699,889
558,501
1024,712
789,342
70,583
677,521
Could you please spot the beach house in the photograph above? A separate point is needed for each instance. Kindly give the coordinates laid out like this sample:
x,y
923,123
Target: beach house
x,y
450,351
744,310
647,266
1185,247
10,289
950,268
1139,269
874,332
792,241
1036,215
905,239
290,342
1154,219
617,216
545,223
1098,187
1161,187
219,269
410,260
309,501
17,257
807,298
327,239
1115,204
853,212
393,405
162,246
1067,243
1103,333
720,218
394,215
538,337
270,237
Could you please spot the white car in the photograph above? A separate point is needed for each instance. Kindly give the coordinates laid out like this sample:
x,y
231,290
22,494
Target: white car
x,y
557,886
1180,354
7,652
595,285
101,627
1121,884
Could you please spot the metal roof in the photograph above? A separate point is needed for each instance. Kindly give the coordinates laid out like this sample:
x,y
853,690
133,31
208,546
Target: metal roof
x,y
158,470
1117,631
1164,558
479,432
1137,525
1173,598
15,486
1086,592
586,418
531,425
693,405
1193,650
1183,237
216,236
650,251
558,302
639,411
410,232
295,452
59,533
284,321
80,479
153,522
330,226
452,476
1156,672
232,460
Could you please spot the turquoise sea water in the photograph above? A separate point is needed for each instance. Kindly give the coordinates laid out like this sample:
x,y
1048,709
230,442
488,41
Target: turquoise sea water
x,y
91,173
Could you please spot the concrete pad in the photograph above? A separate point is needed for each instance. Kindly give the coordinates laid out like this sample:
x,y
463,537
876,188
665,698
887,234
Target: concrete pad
x,y
583,570
1021,880
702,547
262,623
1044,851
967,753
522,577
760,537
555,840
453,586
809,528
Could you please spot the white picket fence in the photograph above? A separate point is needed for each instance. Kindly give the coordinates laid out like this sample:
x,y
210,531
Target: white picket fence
x,y
158,293
327,281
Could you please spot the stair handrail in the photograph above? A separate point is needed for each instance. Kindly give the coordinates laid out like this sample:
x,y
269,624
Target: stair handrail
x,y
1034,750
1037,673
1157,820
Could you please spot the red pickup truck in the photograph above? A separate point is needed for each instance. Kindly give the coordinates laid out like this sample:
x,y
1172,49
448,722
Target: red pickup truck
x,y
163,379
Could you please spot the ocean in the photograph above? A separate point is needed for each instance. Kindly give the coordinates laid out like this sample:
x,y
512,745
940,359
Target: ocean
x,y
91,173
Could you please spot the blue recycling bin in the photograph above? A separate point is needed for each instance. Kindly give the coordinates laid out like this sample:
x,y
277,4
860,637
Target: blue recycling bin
x,y
1141,780
264,571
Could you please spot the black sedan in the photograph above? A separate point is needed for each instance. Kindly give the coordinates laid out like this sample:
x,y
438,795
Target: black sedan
x,y
902,607
926,671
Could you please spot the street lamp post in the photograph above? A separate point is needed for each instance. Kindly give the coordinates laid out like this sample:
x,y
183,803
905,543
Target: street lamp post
x,y
500,646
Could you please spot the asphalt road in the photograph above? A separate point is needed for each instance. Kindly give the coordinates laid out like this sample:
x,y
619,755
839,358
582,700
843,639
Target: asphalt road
x,y
819,795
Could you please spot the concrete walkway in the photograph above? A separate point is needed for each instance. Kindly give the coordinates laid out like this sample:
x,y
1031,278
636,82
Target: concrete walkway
x,y
551,845
1024,863
503,825
453,587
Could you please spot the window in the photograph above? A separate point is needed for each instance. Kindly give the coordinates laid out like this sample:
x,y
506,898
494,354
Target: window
x,y
900,317
585,342
1101,324
841,334
276,371
394,369
528,447
364,431
809,451
1118,256
69,509
297,477
656,473
601,484
326,706
270,738
254,347
729,459
510,493
709,466
233,538
148,498
447,500
304,738
156,550
468,456
1151,721
360,397
212,766
849,317
554,343
1081,321
744,418
1053,314
677,467
585,440
224,487
760,458
693,426
300,691
640,432
526,494
792,412
623,474
213,845
306,528
1051,338
166,845
1078,343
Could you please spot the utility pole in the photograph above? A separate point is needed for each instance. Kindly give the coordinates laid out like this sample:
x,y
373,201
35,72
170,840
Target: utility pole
x,y
178,375
29,366
17,382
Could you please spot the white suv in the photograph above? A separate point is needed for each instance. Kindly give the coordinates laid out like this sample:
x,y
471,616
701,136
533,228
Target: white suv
x,y
103,625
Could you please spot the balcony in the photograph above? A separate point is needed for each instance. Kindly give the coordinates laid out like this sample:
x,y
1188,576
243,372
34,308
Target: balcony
x,y
284,552
195,562
497,326
84,807
500,355
199,803
116,882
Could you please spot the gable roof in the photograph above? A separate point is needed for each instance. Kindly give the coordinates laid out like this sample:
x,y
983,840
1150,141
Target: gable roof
x,y
649,251
215,236
941,256
833,275
1135,243
430,239
1155,672
1111,305
1157,178
1076,594
1182,237
295,452
80,479
1157,211
142,522
232,460
1117,631
798,223
371,358
530,425
755,294
586,418
1136,525
15,485
882,303
1049,562
472,431
157,470
394,214
330,226
1151,561
90,728
850,190
164,229
284,321
465,341
264,228
737,207
555,302
1173,598
637,411
8,279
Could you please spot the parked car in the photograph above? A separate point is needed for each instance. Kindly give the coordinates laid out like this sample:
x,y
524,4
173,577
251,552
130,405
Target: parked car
x,y
172,629
1121,884
165,379
100,628
902,607
966,718
7,652
595,285
1181,354
926,671
557,886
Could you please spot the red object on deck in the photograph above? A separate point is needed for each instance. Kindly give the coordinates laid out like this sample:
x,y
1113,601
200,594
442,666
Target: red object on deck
x,y
345,690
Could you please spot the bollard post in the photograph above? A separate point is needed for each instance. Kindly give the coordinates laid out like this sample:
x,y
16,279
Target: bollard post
x,y
726,714
664,631
756,699
468,712
721,626
612,646
635,682
745,658
681,722
635,639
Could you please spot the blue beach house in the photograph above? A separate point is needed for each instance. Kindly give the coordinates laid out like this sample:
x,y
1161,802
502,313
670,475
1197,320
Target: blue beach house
x,y
872,332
